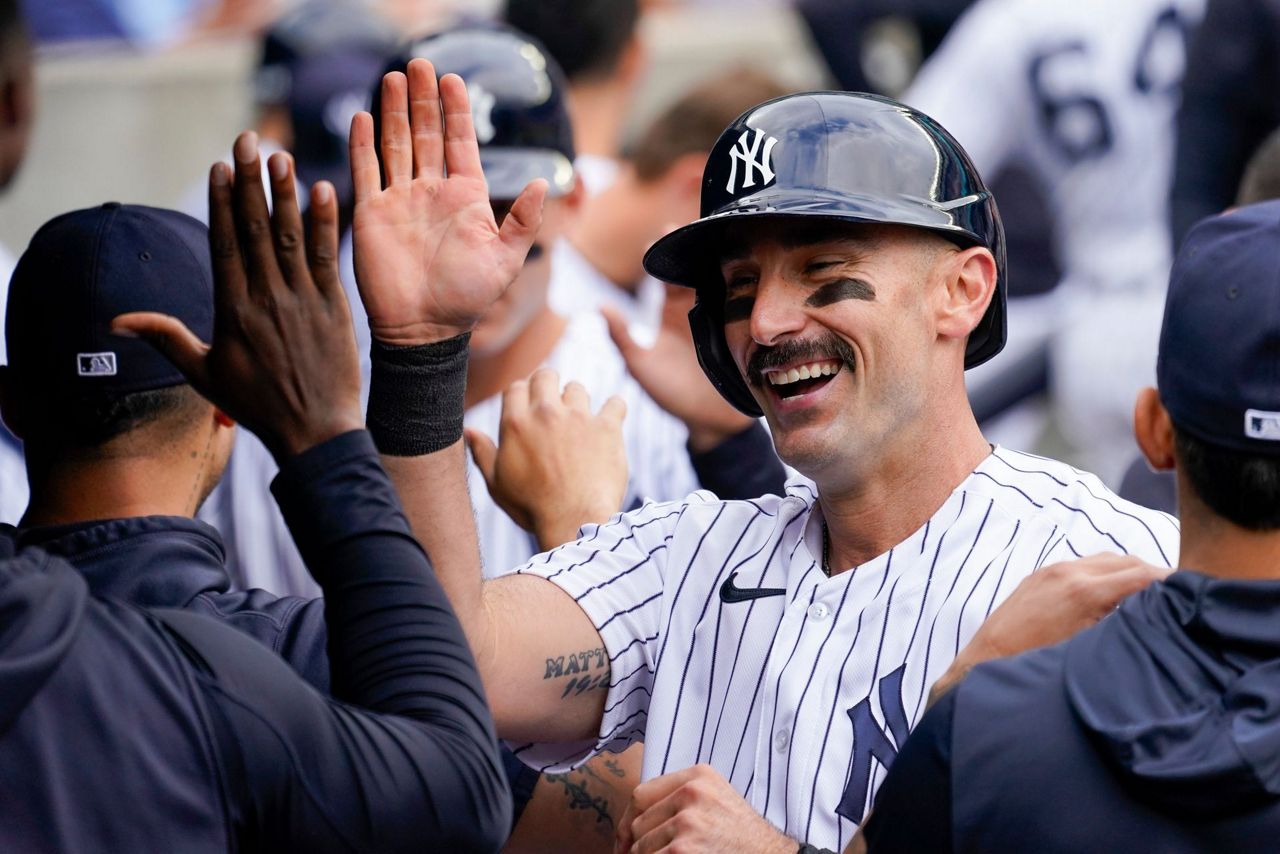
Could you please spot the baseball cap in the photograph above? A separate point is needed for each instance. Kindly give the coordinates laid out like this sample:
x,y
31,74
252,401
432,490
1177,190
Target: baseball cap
x,y
84,268
1218,370
518,103
319,61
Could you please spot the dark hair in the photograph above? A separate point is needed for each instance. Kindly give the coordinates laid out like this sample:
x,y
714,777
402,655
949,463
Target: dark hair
x,y
13,30
89,421
1261,181
1240,487
694,122
585,37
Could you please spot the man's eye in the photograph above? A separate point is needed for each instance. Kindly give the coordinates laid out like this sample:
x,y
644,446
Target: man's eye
x,y
819,266
737,283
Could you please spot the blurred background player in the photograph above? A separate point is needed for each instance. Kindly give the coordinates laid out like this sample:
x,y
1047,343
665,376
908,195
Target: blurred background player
x,y
317,65
523,127
657,187
598,46
1084,95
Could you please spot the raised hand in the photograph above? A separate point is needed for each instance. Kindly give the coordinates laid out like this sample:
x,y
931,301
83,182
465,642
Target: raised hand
x,y
556,466
283,356
430,258
669,373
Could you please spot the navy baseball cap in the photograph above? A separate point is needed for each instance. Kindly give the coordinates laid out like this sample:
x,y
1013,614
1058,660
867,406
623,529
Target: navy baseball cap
x,y
319,61
84,268
1219,366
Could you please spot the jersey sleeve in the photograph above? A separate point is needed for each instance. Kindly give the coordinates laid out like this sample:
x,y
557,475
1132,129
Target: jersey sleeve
x,y
617,573
974,85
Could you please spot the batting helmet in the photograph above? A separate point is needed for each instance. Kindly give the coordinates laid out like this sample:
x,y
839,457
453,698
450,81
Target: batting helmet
x,y
517,95
840,156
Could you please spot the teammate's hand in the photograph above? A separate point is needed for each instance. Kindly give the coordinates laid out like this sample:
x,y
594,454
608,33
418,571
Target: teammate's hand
x,y
695,810
556,466
669,373
1049,606
429,257
283,357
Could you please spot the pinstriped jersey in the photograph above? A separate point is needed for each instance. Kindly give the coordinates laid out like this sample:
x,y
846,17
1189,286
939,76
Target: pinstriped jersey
x,y
728,645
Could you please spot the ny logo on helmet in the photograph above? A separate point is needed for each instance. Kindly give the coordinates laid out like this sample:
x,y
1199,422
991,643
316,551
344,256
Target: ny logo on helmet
x,y
482,103
755,155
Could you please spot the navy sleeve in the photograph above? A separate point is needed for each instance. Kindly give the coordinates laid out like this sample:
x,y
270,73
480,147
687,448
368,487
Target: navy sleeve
x,y
913,807
307,772
743,466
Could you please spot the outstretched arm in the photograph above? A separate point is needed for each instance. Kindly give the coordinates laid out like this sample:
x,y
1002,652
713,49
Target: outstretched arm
x,y
430,260
302,770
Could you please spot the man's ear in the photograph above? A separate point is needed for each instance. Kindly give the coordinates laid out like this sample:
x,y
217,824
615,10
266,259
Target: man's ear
x,y
1153,429
969,278
10,409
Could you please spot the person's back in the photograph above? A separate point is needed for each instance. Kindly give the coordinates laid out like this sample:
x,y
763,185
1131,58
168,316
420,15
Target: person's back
x,y
1157,729
65,660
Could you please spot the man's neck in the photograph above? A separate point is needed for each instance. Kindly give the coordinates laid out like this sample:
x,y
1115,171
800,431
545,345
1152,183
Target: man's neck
x,y
1214,546
123,487
611,235
490,374
868,517
598,111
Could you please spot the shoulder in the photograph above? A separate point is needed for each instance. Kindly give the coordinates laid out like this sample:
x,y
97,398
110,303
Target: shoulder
x,y
1089,517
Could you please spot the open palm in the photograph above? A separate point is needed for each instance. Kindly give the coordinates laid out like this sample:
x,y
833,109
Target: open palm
x,y
430,258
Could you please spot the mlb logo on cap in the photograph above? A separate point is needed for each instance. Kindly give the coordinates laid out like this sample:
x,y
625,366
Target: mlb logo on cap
x,y
96,364
1262,425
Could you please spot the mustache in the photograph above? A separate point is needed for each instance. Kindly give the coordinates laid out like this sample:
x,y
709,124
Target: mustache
x,y
792,351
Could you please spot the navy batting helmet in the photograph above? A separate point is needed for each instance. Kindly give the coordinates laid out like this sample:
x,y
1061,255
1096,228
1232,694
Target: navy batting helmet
x,y
840,156
517,95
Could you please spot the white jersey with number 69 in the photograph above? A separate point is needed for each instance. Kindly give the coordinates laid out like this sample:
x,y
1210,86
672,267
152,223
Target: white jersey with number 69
x,y
1084,94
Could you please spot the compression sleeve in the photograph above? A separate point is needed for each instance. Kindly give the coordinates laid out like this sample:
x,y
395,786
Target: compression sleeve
x,y
913,807
420,769
743,466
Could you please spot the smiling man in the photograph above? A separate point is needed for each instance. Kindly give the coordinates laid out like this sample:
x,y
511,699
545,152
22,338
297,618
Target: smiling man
x,y
773,654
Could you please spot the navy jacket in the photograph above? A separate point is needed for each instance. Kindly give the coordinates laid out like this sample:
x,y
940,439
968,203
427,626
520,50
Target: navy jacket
x,y
175,562
130,730
1158,730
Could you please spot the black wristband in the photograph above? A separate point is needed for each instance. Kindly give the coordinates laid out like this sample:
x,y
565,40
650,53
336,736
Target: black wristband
x,y
806,848
416,396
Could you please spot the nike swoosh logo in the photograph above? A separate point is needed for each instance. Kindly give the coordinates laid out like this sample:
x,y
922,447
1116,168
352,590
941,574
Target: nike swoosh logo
x,y
730,593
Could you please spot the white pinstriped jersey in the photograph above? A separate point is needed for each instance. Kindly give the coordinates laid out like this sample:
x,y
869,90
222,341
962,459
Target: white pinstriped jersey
x,y
802,699
658,461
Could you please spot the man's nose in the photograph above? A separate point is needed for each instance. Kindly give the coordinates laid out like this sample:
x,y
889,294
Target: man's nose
x,y
778,310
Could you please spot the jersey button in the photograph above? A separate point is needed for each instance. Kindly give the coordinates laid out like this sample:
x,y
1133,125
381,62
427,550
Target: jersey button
x,y
818,611
781,739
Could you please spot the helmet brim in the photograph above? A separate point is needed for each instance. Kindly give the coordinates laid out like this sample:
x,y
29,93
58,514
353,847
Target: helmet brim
x,y
507,171
690,255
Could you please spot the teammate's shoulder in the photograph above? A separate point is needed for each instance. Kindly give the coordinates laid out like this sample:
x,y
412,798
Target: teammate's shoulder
x,y
1079,504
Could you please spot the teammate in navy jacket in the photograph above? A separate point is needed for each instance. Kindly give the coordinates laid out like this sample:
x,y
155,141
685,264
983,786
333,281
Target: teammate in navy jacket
x,y
127,730
1158,729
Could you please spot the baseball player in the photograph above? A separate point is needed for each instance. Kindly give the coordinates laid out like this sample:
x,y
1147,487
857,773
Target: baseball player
x,y
772,654
1084,96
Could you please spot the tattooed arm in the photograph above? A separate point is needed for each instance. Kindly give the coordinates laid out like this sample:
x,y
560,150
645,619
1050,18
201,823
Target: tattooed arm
x,y
583,805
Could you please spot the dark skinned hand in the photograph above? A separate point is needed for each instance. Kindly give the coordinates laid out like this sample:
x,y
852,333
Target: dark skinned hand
x,y
283,356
